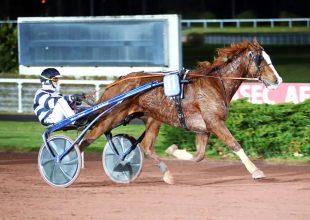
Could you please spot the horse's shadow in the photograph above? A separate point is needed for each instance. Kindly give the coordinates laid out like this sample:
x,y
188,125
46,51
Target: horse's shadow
x,y
107,183
90,184
181,181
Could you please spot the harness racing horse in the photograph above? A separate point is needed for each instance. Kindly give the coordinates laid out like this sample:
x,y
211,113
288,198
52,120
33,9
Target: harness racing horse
x,y
205,103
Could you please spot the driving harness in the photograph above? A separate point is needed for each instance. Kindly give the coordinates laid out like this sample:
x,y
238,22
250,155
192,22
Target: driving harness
x,y
177,98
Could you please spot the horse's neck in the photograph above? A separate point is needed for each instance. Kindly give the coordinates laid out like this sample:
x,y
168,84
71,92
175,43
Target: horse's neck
x,y
235,69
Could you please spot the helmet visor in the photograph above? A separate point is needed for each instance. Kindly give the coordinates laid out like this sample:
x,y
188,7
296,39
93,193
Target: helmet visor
x,y
54,79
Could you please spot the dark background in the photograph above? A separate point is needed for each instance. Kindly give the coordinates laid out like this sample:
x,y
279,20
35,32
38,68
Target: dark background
x,y
205,9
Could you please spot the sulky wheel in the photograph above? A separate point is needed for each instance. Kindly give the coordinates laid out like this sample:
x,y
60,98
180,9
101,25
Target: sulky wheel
x,y
127,170
60,173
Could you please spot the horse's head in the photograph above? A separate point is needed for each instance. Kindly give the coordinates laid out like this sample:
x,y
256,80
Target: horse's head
x,y
260,66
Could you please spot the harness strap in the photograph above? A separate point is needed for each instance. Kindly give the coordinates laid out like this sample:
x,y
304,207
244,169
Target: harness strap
x,y
178,101
183,74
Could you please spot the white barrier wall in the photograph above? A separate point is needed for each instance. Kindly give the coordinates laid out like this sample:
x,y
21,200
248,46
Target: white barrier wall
x,y
257,93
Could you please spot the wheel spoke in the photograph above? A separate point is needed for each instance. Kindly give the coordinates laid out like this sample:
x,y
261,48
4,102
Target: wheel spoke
x,y
128,172
122,142
47,161
52,176
118,146
53,147
67,176
135,164
110,154
66,144
125,174
112,159
70,162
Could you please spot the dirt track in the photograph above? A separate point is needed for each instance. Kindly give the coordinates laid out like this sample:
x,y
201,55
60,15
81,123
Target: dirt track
x,y
207,190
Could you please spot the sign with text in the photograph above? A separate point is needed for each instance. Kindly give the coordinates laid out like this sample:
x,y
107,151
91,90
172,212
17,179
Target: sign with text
x,y
257,93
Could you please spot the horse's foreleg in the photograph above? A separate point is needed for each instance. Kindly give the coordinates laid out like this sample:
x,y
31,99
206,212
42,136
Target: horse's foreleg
x,y
256,173
148,143
221,131
201,143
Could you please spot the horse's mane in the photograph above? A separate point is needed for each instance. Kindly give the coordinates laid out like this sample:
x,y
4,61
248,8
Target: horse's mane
x,y
223,56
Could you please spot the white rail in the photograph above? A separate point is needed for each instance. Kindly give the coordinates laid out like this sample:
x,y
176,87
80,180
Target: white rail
x,y
255,22
20,82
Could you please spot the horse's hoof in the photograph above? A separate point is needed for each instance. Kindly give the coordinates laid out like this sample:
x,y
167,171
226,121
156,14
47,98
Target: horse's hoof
x,y
258,174
171,149
198,158
168,178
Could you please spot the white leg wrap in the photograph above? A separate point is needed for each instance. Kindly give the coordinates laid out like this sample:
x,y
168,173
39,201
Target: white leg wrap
x,y
246,161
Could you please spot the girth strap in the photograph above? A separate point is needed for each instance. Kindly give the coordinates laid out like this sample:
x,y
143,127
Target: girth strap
x,y
178,106
178,99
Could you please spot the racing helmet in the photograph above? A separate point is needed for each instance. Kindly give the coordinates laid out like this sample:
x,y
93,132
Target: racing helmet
x,y
48,75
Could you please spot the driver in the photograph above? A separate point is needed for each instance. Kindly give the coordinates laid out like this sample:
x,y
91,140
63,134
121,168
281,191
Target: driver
x,y
49,105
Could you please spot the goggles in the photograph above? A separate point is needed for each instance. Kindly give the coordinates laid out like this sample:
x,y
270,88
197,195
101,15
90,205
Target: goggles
x,y
54,79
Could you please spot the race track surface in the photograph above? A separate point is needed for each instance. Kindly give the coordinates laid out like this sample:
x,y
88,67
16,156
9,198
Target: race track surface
x,y
206,190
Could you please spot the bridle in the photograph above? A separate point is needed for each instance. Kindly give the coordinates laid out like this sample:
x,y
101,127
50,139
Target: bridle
x,y
257,59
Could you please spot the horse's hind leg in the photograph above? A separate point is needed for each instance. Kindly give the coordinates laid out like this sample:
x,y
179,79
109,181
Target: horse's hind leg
x,y
148,143
102,127
221,131
201,143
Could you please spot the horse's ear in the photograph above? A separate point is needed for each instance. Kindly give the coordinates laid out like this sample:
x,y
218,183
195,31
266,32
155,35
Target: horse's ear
x,y
204,64
255,42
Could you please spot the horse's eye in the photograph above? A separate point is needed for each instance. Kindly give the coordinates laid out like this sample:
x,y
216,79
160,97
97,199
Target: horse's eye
x,y
257,59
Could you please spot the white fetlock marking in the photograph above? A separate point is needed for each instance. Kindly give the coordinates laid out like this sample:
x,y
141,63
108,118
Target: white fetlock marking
x,y
246,161
258,174
168,178
182,155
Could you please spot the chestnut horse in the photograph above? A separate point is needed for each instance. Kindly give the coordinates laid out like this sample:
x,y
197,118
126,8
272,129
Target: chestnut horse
x,y
205,103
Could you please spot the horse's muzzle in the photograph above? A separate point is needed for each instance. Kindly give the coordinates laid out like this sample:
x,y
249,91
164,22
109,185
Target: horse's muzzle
x,y
272,85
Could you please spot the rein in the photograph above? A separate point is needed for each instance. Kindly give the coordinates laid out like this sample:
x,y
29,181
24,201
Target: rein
x,y
225,77
190,74
132,77
89,95
161,75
